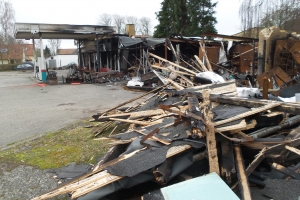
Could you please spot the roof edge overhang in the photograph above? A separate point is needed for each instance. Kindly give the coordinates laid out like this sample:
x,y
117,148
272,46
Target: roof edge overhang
x,y
60,31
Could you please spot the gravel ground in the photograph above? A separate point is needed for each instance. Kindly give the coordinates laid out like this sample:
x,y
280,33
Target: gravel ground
x,y
24,182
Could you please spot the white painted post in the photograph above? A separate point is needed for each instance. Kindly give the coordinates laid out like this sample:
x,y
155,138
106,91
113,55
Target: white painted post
x,y
42,67
34,57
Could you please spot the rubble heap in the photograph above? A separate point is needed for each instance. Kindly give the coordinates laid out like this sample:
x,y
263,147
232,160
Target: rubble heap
x,y
248,142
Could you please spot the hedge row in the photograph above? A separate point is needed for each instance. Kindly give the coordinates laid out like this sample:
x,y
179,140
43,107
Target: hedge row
x,y
7,67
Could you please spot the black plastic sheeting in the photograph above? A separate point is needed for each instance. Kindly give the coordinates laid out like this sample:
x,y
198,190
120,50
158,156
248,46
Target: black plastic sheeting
x,y
135,145
145,159
181,163
127,41
227,111
155,41
71,171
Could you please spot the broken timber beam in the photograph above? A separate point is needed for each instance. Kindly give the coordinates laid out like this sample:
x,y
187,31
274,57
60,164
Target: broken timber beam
x,y
132,115
269,130
240,126
176,71
255,162
249,103
201,63
165,141
246,114
109,178
188,81
174,64
175,84
286,171
197,70
129,101
206,58
142,123
210,135
228,165
293,149
218,88
243,181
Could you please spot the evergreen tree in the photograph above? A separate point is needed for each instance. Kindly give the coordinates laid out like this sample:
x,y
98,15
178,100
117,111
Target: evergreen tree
x,y
201,13
185,17
47,52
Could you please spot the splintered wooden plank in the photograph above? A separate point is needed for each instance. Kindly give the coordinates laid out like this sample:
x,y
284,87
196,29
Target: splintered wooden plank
x,y
107,178
167,69
240,126
293,149
129,101
100,179
201,63
219,88
171,63
210,135
161,140
187,81
132,115
176,85
248,126
246,114
206,58
85,179
286,171
276,148
71,187
291,108
243,181
255,162
142,123
177,149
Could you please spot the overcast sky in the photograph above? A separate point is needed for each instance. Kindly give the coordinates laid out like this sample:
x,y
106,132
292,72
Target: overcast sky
x,y
87,11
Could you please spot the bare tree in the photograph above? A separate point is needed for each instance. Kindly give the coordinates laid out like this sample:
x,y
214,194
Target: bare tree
x,y
105,19
54,45
145,25
142,26
132,20
264,13
7,19
37,47
119,22
286,16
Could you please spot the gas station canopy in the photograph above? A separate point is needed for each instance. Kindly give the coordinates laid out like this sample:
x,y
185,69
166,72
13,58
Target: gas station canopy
x,y
60,31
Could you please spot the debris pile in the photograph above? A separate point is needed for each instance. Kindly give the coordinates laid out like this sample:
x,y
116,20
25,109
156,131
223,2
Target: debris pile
x,y
196,121
248,142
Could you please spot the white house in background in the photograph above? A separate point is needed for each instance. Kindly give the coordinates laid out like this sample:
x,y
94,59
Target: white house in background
x,y
63,57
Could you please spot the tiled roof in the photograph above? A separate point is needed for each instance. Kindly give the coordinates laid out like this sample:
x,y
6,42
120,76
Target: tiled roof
x,y
16,51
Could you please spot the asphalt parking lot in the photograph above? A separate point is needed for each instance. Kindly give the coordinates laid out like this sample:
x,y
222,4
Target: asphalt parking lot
x,y
28,110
